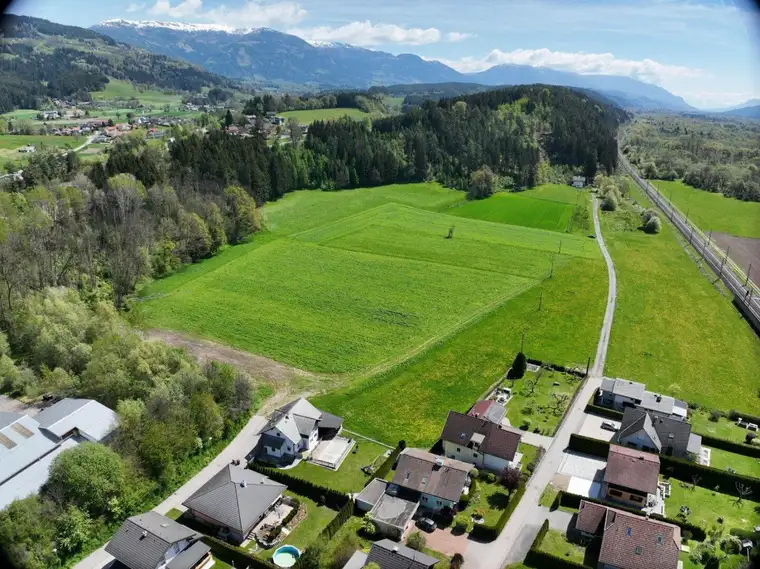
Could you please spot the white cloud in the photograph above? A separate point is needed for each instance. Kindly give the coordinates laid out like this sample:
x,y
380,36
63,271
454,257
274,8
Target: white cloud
x,y
250,14
579,62
368,34
717,99
458,36
135,7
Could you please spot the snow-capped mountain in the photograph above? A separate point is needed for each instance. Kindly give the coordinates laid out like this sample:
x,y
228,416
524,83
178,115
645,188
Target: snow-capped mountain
x,y
176,26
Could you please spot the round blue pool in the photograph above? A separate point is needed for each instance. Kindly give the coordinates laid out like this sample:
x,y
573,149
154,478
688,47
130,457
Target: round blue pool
x,y
286,556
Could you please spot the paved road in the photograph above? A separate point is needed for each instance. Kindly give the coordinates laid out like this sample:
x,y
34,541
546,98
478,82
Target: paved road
x,y
714,261
514,541
240,446
86,143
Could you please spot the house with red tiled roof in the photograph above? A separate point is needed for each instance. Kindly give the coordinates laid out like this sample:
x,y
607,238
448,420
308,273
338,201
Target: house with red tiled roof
x,y
488,409
630,541
631,476
480,442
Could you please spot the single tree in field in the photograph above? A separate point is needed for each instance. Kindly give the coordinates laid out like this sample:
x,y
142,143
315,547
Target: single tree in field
x,y
294,130
228,120
530,384
510,478
519,366
451,233
560,402
482,183
653,226
695,480
743,492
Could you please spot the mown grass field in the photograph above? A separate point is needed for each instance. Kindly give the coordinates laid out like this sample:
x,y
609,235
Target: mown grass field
x,y
308,117
707,506
9,144
365,283
713,211
121,89
673,330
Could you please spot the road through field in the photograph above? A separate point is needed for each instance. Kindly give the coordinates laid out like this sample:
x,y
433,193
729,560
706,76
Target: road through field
x,y
515,540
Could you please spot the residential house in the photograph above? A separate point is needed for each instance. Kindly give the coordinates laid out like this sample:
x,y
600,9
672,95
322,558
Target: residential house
x,y
234,501
620,394
28,149
50,115
153,541
435,481
629,541
489,410
295,429
391,555
28,445
578,181
631,476
480,442
652,432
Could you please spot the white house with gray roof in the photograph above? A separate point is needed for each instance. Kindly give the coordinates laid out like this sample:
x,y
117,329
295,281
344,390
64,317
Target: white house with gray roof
x,y
234,501
153,541
296,429
28,445
620,394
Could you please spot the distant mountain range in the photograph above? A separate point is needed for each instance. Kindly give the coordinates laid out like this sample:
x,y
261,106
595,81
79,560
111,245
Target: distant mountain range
x,y
750,111
268,55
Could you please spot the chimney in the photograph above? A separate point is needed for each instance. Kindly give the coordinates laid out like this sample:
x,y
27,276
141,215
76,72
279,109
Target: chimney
x,y
395,549
244,484
144,534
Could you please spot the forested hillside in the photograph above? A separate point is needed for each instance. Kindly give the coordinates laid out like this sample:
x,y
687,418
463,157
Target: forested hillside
x,y
710,153
40,60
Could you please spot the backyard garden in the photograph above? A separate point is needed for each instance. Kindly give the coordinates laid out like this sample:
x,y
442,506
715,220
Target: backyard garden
x,y
539,400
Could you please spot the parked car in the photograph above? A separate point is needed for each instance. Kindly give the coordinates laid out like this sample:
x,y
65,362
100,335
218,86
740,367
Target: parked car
x,y
426,524
752,427
609,426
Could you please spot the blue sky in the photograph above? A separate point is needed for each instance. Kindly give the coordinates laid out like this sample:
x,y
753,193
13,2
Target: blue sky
x,y
706,51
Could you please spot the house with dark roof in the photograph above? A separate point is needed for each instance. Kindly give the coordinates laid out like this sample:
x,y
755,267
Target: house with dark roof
x,y
28,445
652,432
630,541
481,442
391,555
392,514
620,394
489,410
631,476
234,501
295,429
153,541
436,482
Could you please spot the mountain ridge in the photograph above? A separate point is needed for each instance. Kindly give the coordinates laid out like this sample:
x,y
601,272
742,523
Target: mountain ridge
x,y
270,55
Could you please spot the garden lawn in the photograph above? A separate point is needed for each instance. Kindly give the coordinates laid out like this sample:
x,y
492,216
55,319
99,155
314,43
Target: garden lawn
x,y
707,506
308,530
455,373
713,211
722,428
491,500
747,465
349,477
309,116
545,207
538,410
556,543
529,453
673,329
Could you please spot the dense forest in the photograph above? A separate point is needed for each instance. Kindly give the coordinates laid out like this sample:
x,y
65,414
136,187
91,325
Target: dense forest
x,y
81,62
716,154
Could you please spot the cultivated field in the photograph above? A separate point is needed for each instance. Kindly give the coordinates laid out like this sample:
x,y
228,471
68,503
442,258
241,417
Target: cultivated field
x,y
673,329
365,283
120,89
308,117
9,143
713,211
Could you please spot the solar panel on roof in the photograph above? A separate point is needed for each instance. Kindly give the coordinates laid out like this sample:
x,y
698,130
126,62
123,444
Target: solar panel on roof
x,y
6,442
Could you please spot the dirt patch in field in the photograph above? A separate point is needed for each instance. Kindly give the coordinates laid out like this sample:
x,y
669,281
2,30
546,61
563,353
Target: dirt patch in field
x,y
203,350
743,251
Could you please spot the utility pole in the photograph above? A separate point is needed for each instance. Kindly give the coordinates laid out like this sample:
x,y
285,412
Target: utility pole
x,y
522,343
691,233
670,200
746,281
707,243
560,247
551,270
541,300
723,263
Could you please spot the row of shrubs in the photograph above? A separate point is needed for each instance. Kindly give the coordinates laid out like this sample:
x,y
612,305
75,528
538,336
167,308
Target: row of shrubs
x,y
541,559
734,415
569,500
322,495
235,556
557,367
344,514
489,532
731,446
679,468
603,412
386,466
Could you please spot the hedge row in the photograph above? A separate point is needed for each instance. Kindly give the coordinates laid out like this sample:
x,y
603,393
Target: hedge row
x,y
333,499
746,417
235,556
386,466
603,412
489,532
588,445
569,500
556,367
541,559
708,477
344,514
731,446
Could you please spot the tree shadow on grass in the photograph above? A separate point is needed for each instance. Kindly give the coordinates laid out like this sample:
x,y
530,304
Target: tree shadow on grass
x,y
498,501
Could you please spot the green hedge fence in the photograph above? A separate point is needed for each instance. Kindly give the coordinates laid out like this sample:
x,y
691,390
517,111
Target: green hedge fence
x,y
542,559
333,499
489,532
235,556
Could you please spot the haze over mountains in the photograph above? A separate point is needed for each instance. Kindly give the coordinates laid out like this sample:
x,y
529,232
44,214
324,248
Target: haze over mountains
x,y
268,55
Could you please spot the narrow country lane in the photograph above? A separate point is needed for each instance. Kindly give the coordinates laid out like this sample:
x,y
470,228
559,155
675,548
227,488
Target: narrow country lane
x,y
515,540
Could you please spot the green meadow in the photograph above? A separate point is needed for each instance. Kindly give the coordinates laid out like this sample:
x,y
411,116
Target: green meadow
x,y
673,329
367,284
309,116
713,211
121,89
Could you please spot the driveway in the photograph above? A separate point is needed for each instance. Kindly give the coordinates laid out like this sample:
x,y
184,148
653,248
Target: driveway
x,y
443,541
581,465
592,427
9,405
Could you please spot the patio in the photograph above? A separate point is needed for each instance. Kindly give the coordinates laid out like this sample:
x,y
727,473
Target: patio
x,y
331,453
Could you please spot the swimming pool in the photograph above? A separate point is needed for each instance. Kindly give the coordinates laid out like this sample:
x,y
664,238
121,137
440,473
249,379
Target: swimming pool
x,y
286,556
